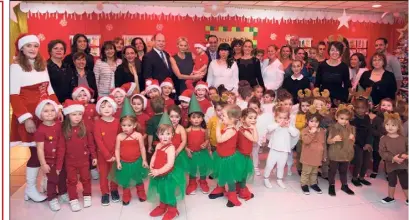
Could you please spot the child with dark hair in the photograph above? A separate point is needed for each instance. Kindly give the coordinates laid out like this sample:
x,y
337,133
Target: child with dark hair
x,y
258,92
267,105
245,93
158,106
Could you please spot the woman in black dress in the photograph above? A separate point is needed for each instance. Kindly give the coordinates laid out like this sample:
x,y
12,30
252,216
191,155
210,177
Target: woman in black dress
x,y
237,46
249,66
82,75
130,70
140,46
80,44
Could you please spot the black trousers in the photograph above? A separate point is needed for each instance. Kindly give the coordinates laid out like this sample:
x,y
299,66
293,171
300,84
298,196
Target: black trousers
x,y
361,162
342,168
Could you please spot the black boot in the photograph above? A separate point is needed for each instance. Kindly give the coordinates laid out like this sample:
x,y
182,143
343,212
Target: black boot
x,y
331,190
347,190
356,182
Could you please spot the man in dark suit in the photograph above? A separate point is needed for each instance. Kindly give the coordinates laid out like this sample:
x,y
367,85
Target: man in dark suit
x,y
211,51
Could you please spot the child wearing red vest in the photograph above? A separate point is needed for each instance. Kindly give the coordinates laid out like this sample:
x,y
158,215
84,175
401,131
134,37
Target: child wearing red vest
x,y
130,157
201,61
179,139
139,103
201,91
74,147
167,181
184,99
105,131
167,88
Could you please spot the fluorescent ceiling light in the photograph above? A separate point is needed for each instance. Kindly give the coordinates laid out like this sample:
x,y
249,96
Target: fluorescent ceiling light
x,y
376,5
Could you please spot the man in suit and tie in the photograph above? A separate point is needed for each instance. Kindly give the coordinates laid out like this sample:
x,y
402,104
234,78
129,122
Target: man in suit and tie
x,y
211,51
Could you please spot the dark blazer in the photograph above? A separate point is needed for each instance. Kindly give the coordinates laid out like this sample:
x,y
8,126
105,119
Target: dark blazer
x,y
92,83
62,80
89,59
154,67
122,76
210,60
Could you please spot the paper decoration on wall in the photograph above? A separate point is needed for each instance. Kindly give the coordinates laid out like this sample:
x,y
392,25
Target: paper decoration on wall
x,y
288,37
159,27
13,15
63,22
343,20
214,9
109,27
402,31
227,36
273,36
41,36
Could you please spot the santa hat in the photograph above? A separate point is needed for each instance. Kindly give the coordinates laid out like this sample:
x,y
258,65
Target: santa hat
x,y
118,89
88,91
109,99
201,46
168,82
145,100
71,106
41,105
186,95
25,39
202,85
152,84
129,88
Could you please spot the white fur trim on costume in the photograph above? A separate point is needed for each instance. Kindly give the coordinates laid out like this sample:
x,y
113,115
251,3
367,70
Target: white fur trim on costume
x,y
153,87
201,87
76,92
166,84
148,82
105,98
145,100
60,107
73,108
131,89
24,117
22,144
41,105
200,46
118,90
27,39
184,98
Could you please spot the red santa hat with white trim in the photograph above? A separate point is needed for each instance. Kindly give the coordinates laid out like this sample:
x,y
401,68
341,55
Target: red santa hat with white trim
x,y
202,85
41,105
186,95
71,106
88,91
109,99
152,84
145,100
126,89
168,82
202,46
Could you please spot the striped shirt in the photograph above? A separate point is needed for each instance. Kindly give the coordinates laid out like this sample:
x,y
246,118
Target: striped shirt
x,y
104,76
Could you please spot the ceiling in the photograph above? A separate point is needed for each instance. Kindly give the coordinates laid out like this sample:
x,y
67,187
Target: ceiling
x,y
387,6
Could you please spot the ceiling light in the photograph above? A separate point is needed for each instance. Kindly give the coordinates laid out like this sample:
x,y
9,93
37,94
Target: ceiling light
x,y
376,5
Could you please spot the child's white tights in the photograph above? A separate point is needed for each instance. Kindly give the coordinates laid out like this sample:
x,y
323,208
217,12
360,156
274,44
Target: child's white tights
x,y
290,162
256,149
275,157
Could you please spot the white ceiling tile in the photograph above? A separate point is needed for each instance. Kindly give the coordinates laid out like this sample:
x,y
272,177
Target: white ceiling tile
x,y
353,4
269,3
214,2
330,3
297,4
316,6
242,3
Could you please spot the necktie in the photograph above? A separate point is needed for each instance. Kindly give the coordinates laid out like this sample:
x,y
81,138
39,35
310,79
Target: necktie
x,y
163,59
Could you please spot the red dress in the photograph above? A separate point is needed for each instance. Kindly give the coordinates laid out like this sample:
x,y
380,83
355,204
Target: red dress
x,y
130,151
228,147
204,105
177,140
161,158
195,138
245,146
184,117
26,91
50,136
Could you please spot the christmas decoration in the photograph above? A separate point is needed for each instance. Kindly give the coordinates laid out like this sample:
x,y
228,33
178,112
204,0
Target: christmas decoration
x,y
288,37
343,20
214,9
402,31
159,27
63,22
109,27
41,37
273,36
13,4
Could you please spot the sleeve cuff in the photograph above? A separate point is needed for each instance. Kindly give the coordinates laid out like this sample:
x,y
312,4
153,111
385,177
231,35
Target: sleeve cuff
x,y
24,117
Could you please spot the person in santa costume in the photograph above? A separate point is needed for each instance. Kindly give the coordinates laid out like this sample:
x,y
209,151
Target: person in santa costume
x,y
119,94
200,60
47,136
105,130
201,91
29,83
152,90
139,103
167,182
184,99
167,88
73,150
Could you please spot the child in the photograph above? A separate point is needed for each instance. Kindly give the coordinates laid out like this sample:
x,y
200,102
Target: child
x,y
341,138
258,92
247,137
245,94
74,147
197,149
259,54
218,104
283,138
158,105
130,155
267,104
139,103
213,91
47,137
119,93
200,63
179,139
304,98
167,88
152,90
393,148
402,109
297,80
378,130
184,99
225,161
105,131
167,181
201,90
314,151
363,142
232,98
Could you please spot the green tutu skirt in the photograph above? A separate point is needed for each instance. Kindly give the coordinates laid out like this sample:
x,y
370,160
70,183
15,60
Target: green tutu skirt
x,y
130,175
245,164
168,189
182,161
200,163
226,169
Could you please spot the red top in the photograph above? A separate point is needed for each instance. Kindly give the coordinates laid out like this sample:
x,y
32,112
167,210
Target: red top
x,y
204,105
184,117
149,110
169,102
195,138
130,151
118,112
49,135
228,147
142,119
200,61
75,150
105,137
89,114
161,158
177,140
245,146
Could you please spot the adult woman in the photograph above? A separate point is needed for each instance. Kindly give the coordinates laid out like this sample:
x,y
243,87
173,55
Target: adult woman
x,y
61,75
105,67
321,51
297,81
333,74
286,55
249,66
140,46
357,66
80,44
224,70
119,46
29,84
130,70
237,46
82,75
272,71
382,82
347,53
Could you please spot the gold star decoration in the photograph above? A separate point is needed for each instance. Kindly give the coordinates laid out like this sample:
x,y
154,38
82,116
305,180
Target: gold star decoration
x,y
402,31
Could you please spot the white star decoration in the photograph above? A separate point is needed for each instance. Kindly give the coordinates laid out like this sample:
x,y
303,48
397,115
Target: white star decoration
x,y
273,36
343,20
288,37
402,31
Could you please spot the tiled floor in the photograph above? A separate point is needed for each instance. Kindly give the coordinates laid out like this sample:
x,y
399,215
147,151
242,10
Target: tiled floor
x,y
275,203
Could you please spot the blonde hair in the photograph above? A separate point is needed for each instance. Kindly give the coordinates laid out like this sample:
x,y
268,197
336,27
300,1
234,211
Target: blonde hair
x,y
165,127
396,121
233,111
180,39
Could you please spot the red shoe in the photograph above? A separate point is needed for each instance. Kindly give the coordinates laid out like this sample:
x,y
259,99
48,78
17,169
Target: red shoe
x,y
191,187
233,200
204,186
237,188
246,194
171,213
140,191
126,196
160,210
217,192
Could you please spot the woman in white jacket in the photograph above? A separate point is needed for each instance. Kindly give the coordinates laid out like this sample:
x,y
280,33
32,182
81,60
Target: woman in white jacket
x,y
272,69
357,66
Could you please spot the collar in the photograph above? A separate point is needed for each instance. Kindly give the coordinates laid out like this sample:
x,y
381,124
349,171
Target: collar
x,y
158,51
298,78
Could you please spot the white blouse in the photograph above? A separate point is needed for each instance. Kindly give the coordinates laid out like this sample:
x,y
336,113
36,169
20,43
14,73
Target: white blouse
x,y
273,74
356,76
220,74
105,76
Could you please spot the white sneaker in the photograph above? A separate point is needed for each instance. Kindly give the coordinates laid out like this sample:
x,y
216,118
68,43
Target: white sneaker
x,y
87,201
281,184
257,171
94,174
289,173
64,198
267,183
75,205
54,205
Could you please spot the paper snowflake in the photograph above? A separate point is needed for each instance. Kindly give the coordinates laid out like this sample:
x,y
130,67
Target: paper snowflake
x,y
109,27
273,36
159,27
288,37
41,37
63,22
